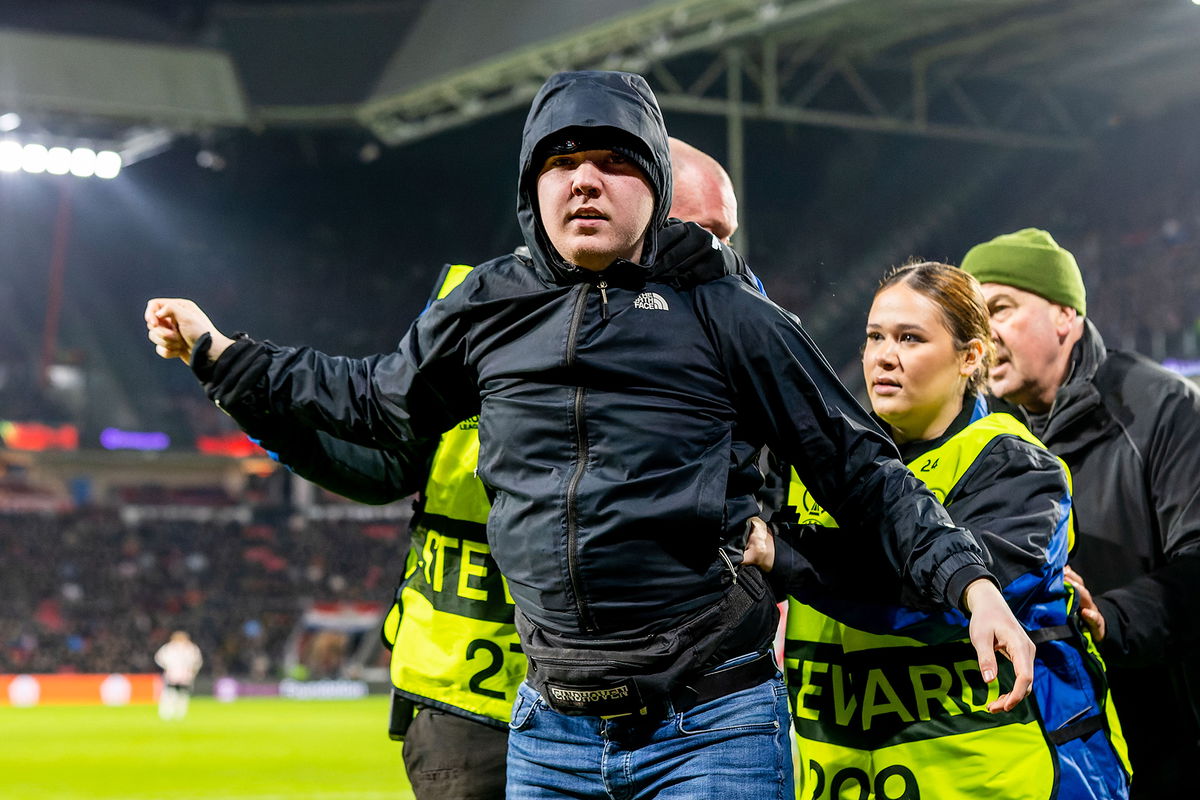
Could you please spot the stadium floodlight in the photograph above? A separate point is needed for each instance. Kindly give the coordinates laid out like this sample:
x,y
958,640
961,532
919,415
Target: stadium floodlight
x,y
10,156
108,164
10,121
83,162
33,158
58,161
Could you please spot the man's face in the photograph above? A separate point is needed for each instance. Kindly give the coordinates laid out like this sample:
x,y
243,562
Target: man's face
x,y
595,206
701,199
1029,332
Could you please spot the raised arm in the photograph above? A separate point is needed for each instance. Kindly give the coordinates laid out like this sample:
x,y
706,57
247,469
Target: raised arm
x,y
365,474
1015,499
787,390
387,401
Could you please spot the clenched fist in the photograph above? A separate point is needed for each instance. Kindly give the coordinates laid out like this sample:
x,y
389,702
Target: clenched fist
x,y
174,325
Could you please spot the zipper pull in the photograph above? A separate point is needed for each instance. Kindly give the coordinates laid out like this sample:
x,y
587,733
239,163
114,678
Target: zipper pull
x,y
603,286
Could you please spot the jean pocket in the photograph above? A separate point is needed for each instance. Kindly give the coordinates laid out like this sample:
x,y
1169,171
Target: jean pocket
x,y
756,709
522,713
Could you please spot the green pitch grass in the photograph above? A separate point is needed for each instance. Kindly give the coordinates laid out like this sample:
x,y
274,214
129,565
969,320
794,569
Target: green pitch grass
x,y
253,749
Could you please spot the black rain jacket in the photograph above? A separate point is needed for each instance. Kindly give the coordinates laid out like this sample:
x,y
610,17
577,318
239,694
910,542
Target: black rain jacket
x,y
620,412
1129,430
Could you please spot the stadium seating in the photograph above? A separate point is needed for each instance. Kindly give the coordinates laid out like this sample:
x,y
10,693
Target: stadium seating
x,y
89,592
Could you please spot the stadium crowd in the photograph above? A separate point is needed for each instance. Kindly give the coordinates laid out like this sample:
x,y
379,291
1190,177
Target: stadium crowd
x,y
89,592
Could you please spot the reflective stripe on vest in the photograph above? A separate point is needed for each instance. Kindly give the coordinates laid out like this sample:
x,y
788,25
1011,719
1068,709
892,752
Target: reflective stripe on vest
x,y
454,643
888,716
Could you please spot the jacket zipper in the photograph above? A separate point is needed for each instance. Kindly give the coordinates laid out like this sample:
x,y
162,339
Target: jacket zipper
x,y
603,286
585,614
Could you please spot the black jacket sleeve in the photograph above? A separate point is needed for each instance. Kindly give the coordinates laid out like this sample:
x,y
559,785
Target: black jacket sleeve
x,y
1154,617
811,561
1157,616
787,390
364,474
361,473
384,401
1013,499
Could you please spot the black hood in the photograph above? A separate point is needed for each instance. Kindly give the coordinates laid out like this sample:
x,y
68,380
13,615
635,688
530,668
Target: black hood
x,y
619,100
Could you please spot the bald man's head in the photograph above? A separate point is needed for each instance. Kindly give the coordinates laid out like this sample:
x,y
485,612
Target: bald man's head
x,y
703,190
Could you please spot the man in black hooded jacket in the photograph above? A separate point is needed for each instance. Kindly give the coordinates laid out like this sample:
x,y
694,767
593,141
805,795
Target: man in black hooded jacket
x,y
453,659
624,388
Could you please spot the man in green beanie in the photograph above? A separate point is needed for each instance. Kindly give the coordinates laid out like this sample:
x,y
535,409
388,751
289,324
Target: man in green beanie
x,y
1035,295
1130,432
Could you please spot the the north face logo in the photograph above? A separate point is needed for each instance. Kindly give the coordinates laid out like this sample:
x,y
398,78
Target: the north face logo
x,y
650,300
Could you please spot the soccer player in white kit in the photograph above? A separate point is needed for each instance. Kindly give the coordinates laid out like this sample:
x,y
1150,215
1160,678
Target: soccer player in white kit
x,y
180,660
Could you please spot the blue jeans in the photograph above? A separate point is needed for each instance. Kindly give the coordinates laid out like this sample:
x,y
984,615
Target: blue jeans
x,y
734,748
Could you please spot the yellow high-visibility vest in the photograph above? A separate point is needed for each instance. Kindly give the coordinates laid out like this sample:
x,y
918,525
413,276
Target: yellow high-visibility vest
x,y
454,643
881,715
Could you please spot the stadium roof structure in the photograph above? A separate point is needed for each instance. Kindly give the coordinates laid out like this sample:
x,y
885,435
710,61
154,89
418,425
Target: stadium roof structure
x,y
1013,72
1017,72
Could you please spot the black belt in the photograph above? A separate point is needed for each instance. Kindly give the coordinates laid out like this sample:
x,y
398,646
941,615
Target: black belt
x,y
1051,633
713,685
1077,730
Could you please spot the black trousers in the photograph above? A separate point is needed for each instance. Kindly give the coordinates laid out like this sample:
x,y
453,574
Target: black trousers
x,y
449,757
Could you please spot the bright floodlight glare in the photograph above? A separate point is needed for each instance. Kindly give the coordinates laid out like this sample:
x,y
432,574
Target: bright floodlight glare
x,y
10,121
83,162
10,156
33,158
108,164
58,161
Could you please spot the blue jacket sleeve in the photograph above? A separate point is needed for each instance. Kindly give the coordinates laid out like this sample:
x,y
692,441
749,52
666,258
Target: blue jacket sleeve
x,y
1016,501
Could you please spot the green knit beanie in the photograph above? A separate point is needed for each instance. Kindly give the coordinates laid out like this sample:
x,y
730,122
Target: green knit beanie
x,y
1029,259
